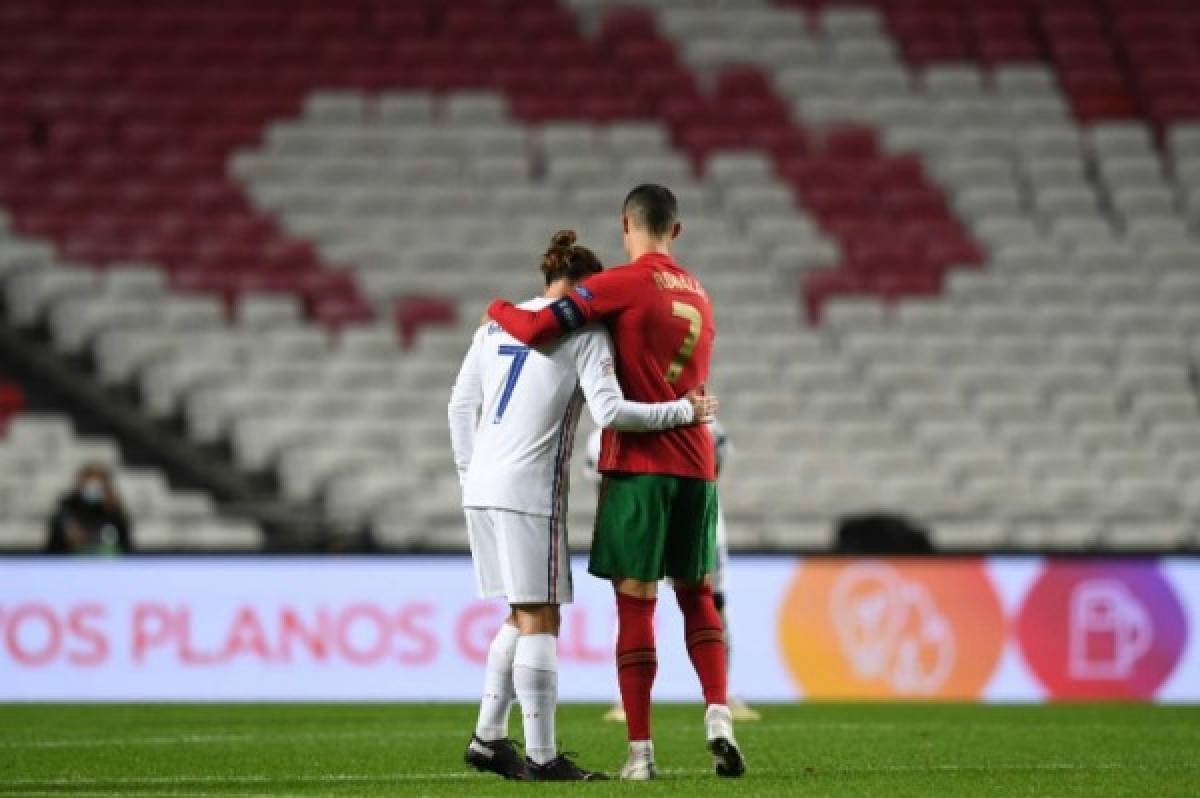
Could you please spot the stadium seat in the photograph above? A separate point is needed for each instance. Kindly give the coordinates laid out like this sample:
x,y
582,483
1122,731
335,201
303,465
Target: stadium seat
x,y
41,455
12,402
1005,196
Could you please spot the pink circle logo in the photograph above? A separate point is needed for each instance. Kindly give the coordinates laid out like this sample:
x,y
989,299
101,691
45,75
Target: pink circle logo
x,y
1102,629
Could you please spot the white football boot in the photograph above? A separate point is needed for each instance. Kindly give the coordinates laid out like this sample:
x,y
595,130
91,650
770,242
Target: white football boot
x,y
718,729
640,764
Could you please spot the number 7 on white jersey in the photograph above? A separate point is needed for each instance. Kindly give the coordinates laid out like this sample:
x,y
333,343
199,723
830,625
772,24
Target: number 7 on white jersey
x,y
519,354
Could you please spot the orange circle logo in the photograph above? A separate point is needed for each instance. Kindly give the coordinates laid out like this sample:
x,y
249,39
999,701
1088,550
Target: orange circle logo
x,y
892,629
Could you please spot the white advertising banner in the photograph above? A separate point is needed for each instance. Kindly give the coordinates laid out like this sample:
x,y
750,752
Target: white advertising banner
x,y
412,629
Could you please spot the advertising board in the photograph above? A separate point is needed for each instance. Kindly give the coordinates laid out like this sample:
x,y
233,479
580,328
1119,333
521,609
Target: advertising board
x,y
412,629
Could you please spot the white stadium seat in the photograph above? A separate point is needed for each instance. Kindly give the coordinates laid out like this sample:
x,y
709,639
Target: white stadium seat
x,y
1041,399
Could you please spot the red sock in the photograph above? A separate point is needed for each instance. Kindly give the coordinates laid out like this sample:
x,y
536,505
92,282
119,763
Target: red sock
x,y
637,661
705,639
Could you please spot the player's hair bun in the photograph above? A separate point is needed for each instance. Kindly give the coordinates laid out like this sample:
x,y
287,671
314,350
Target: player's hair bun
x,y
557,259
566,259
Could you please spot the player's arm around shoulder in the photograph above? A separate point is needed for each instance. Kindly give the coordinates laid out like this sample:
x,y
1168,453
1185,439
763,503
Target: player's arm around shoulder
x,y
537,328
596,367
597,297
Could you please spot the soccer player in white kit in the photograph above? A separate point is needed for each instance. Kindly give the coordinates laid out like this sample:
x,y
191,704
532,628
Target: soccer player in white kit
x,y
737,707
513,413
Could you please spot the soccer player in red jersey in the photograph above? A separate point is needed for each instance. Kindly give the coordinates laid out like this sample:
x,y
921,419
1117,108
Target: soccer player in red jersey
x,y
658,509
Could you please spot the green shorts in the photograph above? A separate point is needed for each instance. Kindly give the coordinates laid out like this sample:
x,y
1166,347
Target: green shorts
x,y
649,526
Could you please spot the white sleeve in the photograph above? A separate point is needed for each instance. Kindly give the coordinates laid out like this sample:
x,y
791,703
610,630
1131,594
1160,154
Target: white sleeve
x,y
463,411
592,349
591,463
721,440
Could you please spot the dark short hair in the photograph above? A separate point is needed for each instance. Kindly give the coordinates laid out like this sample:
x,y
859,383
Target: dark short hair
x,y
652,208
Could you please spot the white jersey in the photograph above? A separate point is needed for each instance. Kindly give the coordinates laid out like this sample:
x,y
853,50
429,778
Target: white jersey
x,y
513,413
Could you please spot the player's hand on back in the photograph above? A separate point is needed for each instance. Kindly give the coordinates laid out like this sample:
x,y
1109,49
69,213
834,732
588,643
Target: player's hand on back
x,y
704,408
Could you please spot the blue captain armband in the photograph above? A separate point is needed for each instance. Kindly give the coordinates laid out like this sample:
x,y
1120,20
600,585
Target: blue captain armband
x,y
568,313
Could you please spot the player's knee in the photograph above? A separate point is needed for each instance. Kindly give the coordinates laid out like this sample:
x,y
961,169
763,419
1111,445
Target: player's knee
x,y
636,588
693,588
537,619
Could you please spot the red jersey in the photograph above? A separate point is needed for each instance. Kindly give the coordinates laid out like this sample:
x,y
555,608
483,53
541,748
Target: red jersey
x,y
662,327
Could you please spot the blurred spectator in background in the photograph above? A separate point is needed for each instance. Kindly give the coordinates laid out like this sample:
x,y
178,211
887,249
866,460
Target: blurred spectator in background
x,y
91,520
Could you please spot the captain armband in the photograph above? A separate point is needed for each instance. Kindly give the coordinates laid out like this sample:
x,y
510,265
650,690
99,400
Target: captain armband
x,y
568,314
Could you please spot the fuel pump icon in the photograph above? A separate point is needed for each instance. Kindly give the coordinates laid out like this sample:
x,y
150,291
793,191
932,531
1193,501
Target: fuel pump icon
x,y
1110,630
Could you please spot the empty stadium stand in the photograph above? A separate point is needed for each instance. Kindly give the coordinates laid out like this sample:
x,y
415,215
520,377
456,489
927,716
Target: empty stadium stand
x,y
954,247
39,457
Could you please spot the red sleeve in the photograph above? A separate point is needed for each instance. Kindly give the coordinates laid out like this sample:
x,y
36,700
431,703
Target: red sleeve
x,y
537,327
595,298
606,293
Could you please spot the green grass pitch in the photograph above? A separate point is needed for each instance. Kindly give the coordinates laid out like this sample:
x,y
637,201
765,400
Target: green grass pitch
x,y
416,750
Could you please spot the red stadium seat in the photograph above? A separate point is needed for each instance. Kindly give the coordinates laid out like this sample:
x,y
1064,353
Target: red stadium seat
x,y
628,24
1009,49
1119,36
396,18
820,286
908,283
164,128
12,402
413,313
544,23
740,82
850,142
340,312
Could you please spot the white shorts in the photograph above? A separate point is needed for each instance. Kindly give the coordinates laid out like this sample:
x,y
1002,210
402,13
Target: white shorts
x,y
718,574
520,556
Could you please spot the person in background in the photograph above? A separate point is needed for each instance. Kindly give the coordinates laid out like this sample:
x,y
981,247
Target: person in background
x,y
724,448
91,520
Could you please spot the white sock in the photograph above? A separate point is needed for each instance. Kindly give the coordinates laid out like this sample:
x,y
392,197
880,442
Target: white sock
x,y
498,685
718,722
642,749
535,676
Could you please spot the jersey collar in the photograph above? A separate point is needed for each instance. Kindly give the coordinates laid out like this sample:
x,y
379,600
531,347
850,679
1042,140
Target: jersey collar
x,y
655,259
